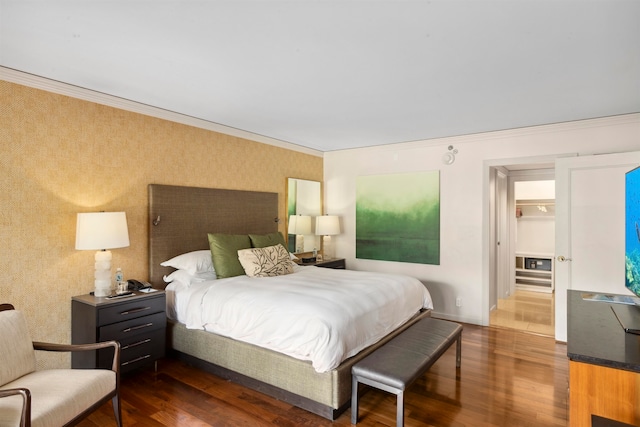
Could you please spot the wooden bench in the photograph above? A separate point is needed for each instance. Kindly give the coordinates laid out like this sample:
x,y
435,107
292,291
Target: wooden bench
x,y
397,364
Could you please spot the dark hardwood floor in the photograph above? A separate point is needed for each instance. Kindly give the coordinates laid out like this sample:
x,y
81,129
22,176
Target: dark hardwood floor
x,y
508,378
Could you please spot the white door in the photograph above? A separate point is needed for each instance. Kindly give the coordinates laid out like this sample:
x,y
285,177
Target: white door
x,y
503,259
589,227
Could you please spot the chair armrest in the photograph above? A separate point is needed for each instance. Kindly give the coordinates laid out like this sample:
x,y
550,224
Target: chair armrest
x,y
25,416
115,366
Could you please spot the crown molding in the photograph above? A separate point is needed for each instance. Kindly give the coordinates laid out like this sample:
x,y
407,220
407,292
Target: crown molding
x,y
37,82
599,122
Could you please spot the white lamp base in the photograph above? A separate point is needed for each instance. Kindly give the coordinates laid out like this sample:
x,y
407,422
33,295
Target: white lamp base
x,y
299,243
102,274
327,248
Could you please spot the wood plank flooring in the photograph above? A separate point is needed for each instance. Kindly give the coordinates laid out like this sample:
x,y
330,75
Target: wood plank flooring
x,y
527,311
508,378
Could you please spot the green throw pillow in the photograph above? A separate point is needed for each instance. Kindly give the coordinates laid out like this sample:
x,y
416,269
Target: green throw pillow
x,y
266,240
224,253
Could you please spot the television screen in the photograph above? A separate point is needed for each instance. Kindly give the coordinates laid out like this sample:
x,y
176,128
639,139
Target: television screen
x,y
632,230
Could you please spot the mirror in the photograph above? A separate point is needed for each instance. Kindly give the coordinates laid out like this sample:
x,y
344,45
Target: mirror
x,y
303,198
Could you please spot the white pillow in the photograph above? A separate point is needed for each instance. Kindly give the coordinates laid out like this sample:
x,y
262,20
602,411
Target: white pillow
x,y
193,262
181,276
205,275
184,277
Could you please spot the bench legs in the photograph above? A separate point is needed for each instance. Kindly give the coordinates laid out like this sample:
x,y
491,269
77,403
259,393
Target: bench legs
x,y
400,409
399,400
354,400
459,350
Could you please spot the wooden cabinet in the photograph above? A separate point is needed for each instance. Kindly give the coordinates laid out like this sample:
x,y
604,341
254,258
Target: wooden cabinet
x,y
604,364
138,322
600,390
535,272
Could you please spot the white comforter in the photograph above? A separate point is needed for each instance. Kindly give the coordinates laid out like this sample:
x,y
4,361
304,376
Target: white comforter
x,y
317,314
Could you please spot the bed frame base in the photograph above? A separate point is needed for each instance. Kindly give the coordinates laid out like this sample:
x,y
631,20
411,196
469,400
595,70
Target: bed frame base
x,y
268,389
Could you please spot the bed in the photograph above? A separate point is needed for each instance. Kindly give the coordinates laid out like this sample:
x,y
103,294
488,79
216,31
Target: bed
x,y
180,219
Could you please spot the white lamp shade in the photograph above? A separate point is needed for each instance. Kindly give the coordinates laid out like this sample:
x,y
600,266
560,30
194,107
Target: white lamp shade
x,y
102,230
299,224
327,225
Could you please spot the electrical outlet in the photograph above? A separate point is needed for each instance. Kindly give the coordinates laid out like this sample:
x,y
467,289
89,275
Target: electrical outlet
x,y
458,302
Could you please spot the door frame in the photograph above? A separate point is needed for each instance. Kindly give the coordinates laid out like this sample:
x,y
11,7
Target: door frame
x,y
490,252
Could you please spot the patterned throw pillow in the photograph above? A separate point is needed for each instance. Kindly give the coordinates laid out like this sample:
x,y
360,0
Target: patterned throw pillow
x,y
266,262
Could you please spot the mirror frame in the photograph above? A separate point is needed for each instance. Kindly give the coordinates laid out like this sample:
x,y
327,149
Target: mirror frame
x,y
305,204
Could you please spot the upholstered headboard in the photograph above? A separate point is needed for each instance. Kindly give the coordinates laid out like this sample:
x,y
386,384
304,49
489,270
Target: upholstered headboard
x,y
181,217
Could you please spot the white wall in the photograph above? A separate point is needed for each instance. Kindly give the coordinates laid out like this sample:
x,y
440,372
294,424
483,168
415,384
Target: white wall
x,y
535,231
536,236
464,193
527,190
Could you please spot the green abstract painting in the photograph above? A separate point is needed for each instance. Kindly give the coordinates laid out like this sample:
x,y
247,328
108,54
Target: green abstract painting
x,y
398,217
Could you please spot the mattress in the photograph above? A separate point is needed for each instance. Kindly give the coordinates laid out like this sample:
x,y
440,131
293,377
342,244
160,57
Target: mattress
x,y
316,314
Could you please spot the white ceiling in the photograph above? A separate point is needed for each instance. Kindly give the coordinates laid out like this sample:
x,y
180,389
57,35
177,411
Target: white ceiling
x,y
331,75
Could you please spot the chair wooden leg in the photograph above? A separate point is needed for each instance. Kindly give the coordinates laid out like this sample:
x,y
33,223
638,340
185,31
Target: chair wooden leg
x,y
117,411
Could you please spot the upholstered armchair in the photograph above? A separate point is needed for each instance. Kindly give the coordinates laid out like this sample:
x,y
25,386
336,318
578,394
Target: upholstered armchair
x,y
53,397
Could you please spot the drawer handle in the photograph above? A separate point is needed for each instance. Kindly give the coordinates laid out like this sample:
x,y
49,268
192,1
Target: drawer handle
x,y
135,328
135,344
135,310
137,359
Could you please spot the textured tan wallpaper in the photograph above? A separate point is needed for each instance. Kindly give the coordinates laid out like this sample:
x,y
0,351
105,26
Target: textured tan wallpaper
x,y
60,156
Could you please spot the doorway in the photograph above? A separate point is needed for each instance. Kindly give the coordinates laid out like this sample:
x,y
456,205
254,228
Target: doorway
x,y
522,283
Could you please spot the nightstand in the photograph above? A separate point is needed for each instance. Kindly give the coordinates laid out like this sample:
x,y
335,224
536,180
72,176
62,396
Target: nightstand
x,y
138,322
337,263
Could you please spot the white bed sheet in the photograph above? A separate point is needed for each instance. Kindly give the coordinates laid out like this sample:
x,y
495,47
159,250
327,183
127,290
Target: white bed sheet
x,y
317,314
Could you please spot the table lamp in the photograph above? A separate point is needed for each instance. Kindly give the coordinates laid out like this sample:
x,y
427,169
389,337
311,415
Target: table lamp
x,y
102,231
299,225
327,226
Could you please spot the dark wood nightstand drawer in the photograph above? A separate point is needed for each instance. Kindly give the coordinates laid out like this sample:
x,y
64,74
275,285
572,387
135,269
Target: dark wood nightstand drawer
x,y
130,310
136,350
121,330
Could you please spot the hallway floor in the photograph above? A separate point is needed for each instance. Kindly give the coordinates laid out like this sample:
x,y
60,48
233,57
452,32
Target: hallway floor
x,y
526,311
